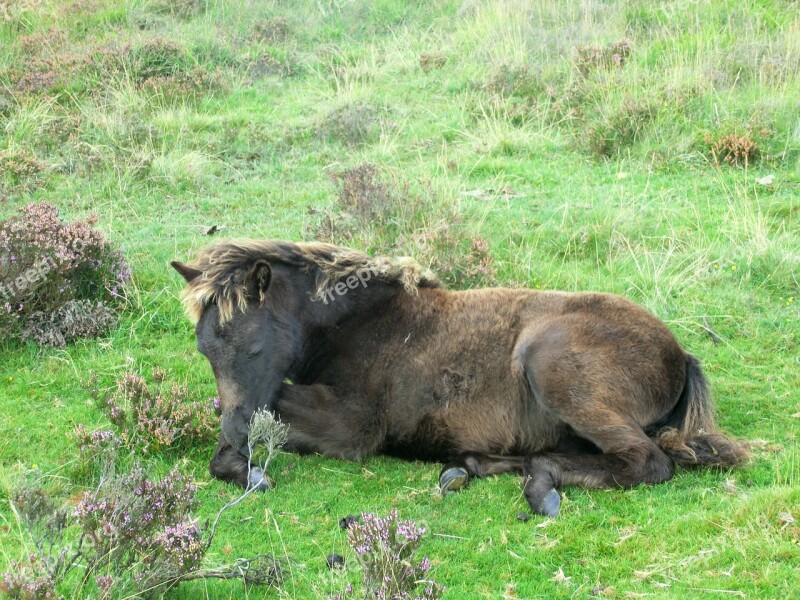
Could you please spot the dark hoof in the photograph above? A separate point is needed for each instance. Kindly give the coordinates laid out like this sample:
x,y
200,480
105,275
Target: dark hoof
x,y
551,503
452,480
335,561
258,480
348,521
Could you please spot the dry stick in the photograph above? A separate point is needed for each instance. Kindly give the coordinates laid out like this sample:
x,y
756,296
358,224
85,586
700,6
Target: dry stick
x,y
264,429
247,492
714,337
239,570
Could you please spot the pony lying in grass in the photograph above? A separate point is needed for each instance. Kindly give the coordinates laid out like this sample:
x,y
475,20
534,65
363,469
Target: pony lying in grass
x,y
364,355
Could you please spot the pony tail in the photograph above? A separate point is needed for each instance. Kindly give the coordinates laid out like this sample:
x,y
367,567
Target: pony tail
x,y
689,436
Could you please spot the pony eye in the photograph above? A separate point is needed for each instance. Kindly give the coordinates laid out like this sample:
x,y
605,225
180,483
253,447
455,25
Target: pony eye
x,y
254,352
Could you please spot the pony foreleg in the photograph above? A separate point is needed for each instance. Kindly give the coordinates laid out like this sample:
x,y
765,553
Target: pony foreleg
x,y
321,421
470,465
229,465
231,460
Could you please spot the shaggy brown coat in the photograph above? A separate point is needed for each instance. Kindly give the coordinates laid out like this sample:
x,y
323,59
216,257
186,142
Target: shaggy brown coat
x,y
585,389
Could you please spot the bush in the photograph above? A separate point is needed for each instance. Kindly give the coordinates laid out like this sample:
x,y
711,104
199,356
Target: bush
x,y
132,533
620,128
47,267
377,212
384,547
363,192
353,124
592,58
733,149
76,319
18,167
274,30
430,61
154,417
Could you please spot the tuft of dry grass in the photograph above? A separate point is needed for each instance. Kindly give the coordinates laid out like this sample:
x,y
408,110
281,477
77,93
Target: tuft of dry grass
x,y
735,150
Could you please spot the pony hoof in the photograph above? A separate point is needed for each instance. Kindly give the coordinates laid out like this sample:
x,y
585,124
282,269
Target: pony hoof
x,y
551,503
258,480
452,480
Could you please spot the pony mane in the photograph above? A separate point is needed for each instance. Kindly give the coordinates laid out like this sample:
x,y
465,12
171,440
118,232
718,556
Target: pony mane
x,y
224,265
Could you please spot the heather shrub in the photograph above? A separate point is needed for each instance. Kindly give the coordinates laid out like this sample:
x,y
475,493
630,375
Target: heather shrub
x,y
619,128
519,81
430,61
388,216
157,57
97,448
352,124
16,11
364,193
384,547
75,320
273,30
591,58
131,535
182,9
733,149
26,580
6,105
265,64
19,167
46,266
182,85
461,260
156,416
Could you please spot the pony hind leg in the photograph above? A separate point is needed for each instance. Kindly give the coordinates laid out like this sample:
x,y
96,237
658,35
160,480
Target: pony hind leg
x,y
546,473
627,458
457,473
585,389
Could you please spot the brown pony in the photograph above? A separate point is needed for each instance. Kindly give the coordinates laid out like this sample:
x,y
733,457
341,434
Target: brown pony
x,y
364,355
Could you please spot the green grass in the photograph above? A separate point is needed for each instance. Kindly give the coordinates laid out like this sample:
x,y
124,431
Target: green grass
x,y
164,121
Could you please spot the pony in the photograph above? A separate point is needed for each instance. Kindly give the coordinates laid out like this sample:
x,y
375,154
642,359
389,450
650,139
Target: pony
x,y
363,355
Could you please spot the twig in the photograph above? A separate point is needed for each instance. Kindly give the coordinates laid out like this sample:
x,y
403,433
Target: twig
x,y
261,569
266,430
230,504
714,337
447,535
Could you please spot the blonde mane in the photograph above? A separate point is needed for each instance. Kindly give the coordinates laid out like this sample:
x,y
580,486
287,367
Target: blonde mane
x,y
225,265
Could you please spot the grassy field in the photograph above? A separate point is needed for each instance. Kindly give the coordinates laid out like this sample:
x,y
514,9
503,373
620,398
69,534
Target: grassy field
x,y
650,149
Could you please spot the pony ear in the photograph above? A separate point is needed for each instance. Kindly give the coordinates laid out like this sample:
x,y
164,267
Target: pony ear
x,y
188,273
258,279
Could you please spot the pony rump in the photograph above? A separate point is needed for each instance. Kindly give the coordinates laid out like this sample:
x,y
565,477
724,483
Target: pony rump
x,y
225,268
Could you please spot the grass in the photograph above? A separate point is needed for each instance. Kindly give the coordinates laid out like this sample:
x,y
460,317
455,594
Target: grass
x,y
511,122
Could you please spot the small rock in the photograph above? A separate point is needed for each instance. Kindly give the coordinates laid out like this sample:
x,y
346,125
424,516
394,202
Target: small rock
x,y
335,561
523,517
347,521
766,180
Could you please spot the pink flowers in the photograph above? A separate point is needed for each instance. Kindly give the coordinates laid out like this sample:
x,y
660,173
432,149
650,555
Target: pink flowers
x,y
46,264
384,548
135,522
158,416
